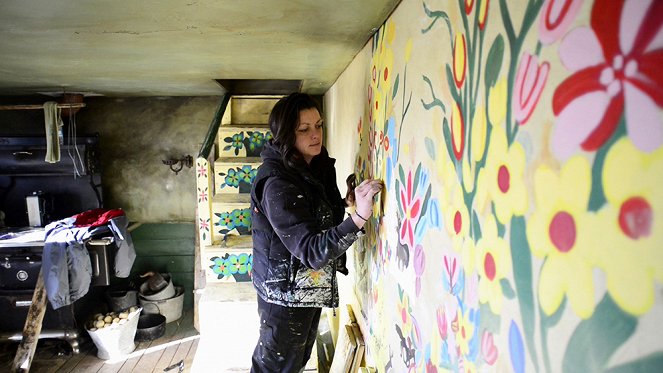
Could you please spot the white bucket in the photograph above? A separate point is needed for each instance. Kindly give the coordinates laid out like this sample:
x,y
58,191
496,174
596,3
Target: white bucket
x,y
171,308
117,340
167,292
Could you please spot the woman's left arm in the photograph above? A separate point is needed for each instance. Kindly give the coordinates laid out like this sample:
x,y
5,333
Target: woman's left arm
x,y
289,213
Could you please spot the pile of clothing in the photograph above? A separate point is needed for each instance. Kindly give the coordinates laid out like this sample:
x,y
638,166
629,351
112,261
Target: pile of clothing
x,y
66,265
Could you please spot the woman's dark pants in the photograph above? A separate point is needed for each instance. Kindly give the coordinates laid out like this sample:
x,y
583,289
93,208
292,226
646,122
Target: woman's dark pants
x,y
286,338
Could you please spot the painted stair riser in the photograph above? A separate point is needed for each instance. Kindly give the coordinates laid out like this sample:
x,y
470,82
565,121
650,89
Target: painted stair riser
x,y
250,110
234,177
231,218
242,141
230,265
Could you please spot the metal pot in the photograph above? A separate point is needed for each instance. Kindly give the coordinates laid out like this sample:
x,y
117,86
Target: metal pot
x,y
150,327
120,300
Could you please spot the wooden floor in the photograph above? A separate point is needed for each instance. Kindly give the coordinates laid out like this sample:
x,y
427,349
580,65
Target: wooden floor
x,y
179,343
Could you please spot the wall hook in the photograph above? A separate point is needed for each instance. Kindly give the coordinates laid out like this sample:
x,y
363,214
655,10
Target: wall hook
x,y
176,165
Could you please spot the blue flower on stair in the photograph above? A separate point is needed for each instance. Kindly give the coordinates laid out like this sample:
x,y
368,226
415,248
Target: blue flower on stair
x,y
232,178
236,141
256,139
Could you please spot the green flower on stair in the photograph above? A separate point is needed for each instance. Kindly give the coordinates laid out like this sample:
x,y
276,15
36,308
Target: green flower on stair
x,y
256,139
242,218
231,179
239,264
247,173
236,141
226,220
220,267
239,177
237,219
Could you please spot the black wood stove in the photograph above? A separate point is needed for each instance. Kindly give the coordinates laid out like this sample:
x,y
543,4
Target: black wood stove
x,y
33,192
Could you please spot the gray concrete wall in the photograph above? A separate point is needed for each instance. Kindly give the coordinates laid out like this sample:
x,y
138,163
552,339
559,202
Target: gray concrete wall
x,y
136,134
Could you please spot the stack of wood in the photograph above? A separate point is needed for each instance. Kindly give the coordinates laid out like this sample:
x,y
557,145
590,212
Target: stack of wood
x,y
350,347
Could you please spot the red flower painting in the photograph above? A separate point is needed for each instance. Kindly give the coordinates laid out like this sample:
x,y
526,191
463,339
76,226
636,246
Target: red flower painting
x,y
617,71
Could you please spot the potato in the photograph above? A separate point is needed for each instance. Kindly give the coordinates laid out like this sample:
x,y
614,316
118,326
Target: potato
x,y
124,315
108,319
99,324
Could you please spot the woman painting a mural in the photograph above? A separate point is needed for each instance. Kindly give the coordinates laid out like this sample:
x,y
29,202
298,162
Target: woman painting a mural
x,y
299,234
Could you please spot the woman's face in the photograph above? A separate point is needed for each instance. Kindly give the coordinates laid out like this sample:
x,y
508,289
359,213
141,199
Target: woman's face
x,y
308,139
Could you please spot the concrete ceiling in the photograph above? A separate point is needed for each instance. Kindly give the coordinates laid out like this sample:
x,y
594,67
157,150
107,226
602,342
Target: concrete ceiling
x,y
178,47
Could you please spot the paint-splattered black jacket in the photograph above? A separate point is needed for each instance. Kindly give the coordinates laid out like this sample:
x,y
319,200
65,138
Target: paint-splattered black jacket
x,y
299,235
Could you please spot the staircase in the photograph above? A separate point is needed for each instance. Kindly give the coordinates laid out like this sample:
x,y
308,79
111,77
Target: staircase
x,y
225,301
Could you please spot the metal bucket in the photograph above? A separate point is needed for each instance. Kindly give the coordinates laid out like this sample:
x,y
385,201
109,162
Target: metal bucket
x,y
165,292
116,341
119,300
171,308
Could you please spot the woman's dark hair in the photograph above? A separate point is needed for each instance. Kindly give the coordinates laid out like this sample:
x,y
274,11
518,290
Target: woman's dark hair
x,y
283,122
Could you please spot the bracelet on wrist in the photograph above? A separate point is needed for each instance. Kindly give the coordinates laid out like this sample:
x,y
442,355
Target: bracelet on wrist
x,y
360,217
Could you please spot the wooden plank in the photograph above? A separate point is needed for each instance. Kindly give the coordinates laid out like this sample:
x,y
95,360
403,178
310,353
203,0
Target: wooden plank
x,y
89,363
184,330
163,231
47,358
188,360
156,247
180,354
51,365
32,328
40,107
345,351
163,263
153,353
166,358
109,367
85,349
361,346
148,359
130,363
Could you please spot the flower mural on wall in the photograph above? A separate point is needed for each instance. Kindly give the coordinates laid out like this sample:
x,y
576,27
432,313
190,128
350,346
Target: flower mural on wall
x,y
502,178
414,194
629,229
566,244
528,236
410,205
494,265
530,80
616,71
555,19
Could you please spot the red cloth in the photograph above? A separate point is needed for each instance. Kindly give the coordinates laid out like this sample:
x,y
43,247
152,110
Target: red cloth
x,y
96,217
